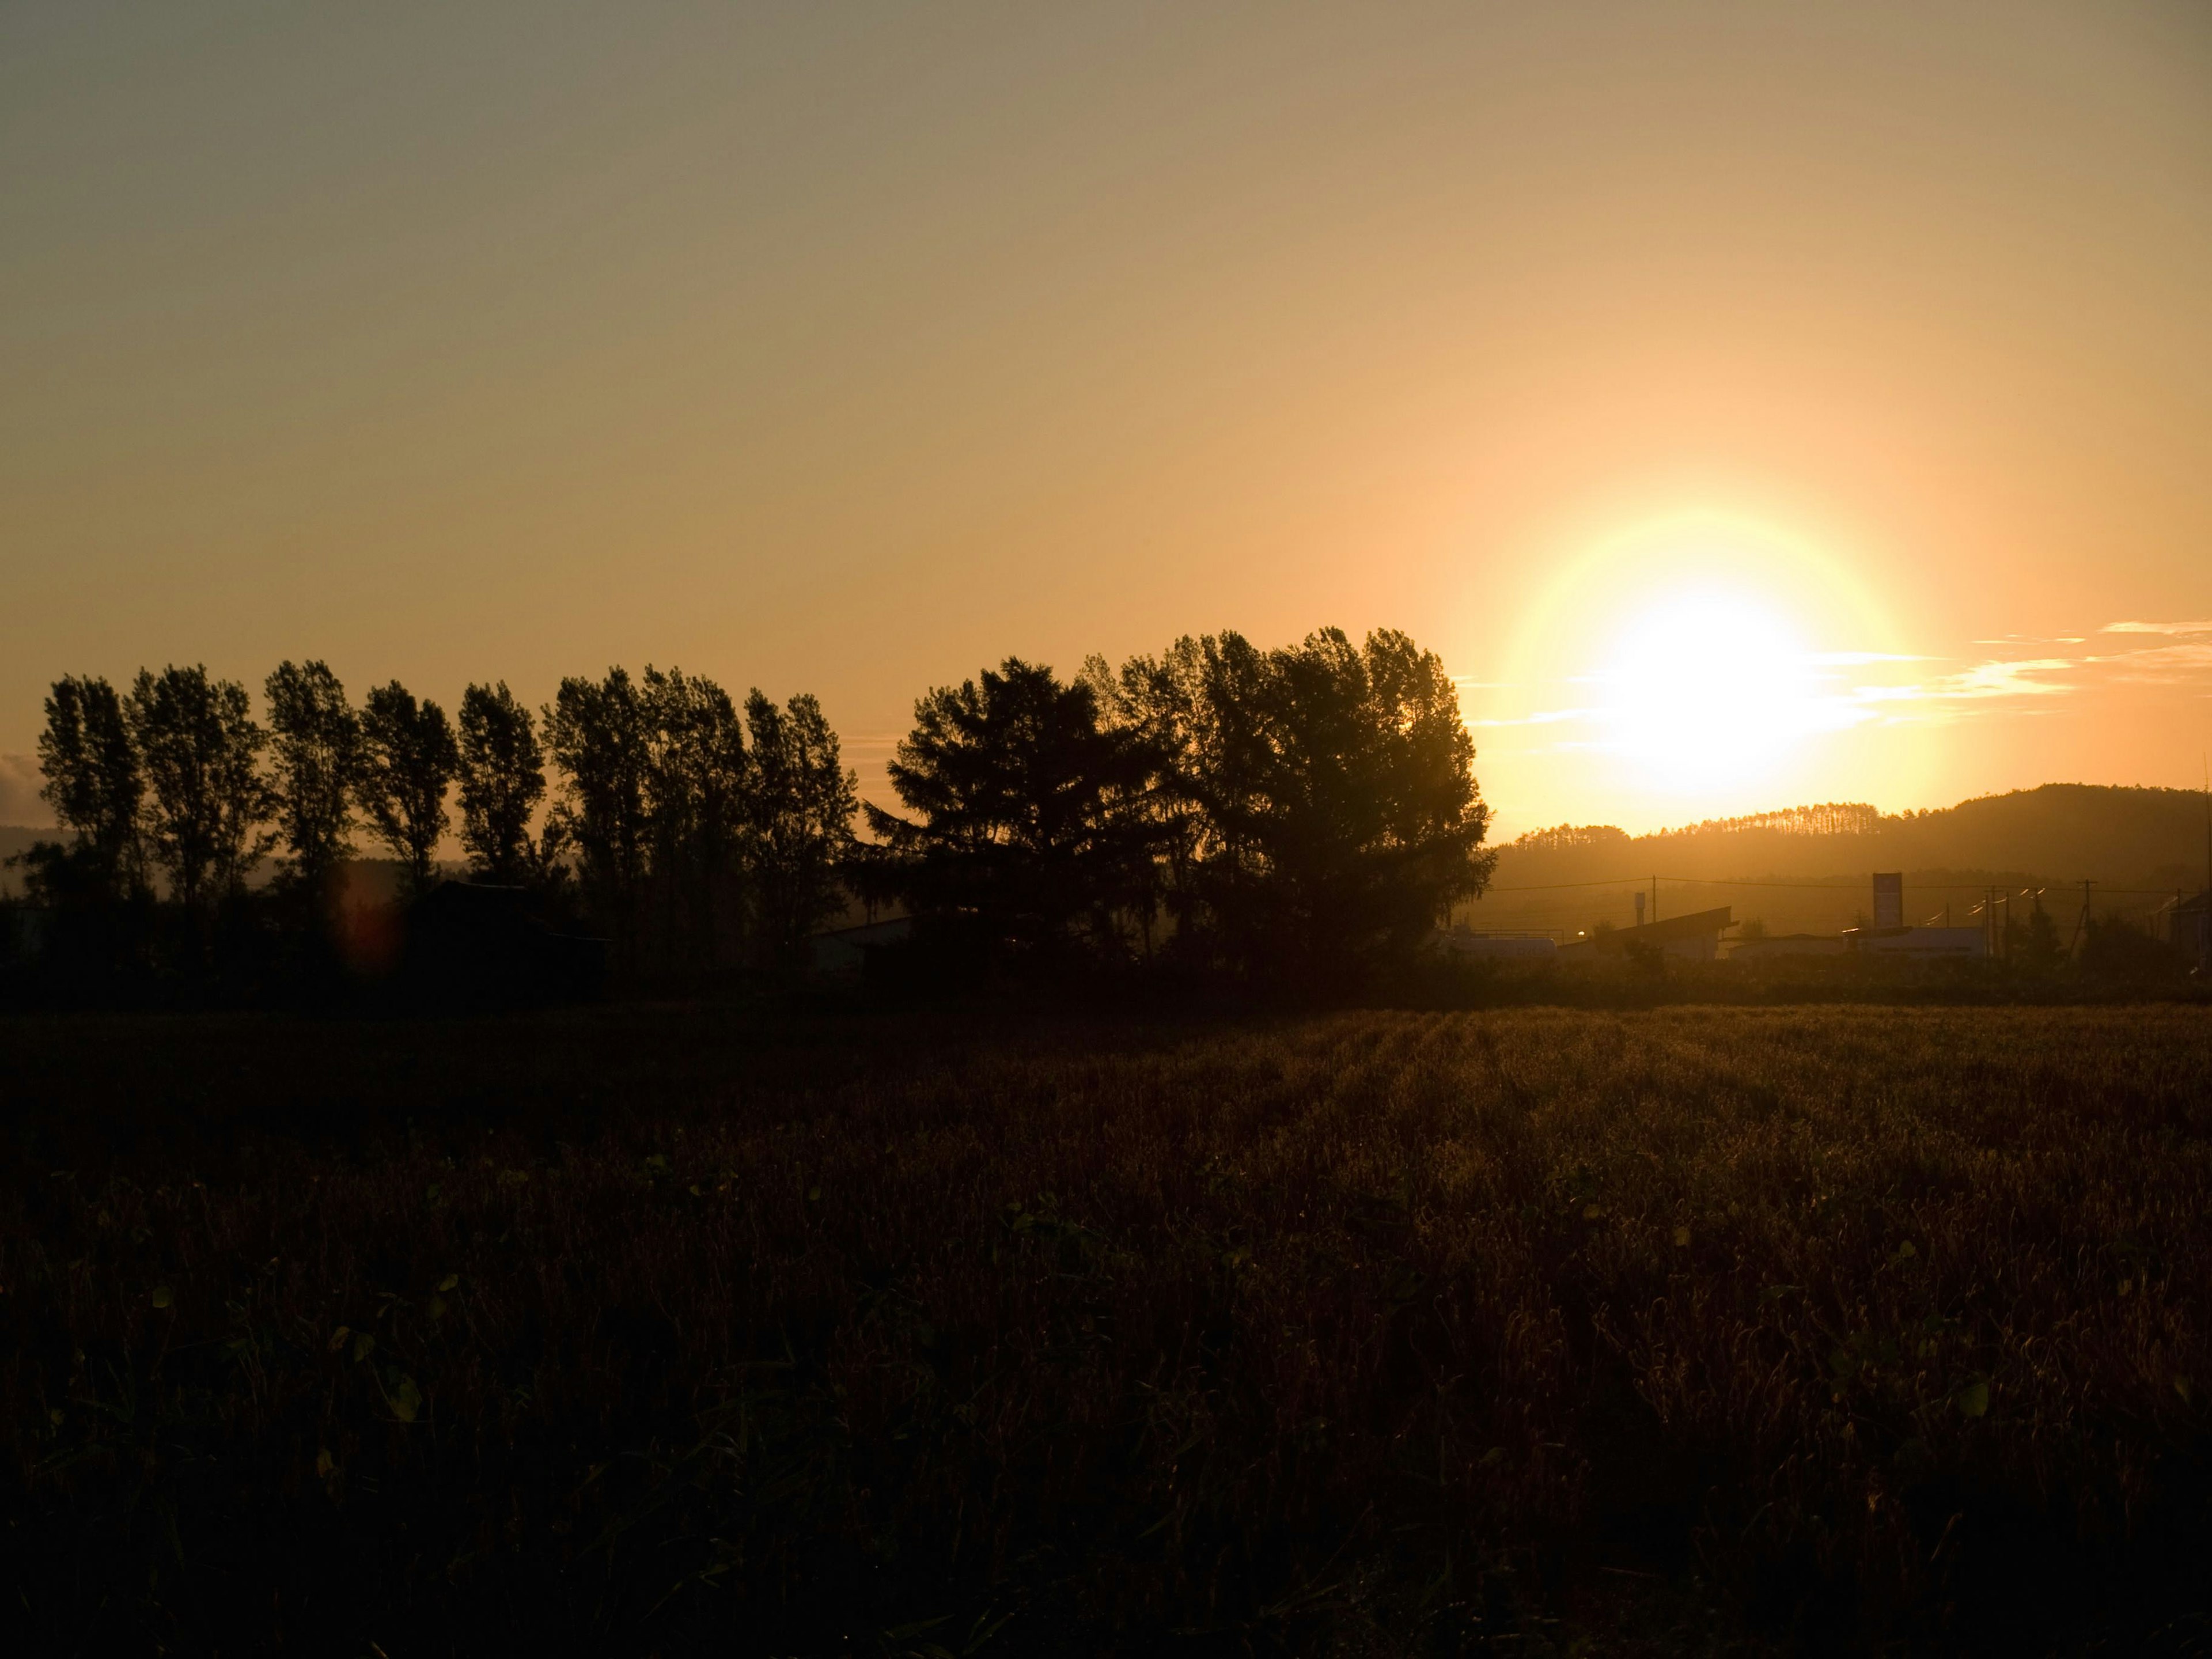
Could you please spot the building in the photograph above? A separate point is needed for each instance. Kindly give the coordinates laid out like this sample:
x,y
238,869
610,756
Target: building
x,y
1693,938
1917,942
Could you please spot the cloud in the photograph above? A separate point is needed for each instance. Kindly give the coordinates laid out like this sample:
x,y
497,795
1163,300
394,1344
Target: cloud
x,y
2001,679
18,793
2156,628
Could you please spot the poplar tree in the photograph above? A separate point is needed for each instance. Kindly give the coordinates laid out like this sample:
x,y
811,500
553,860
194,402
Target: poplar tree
x,y
502,775
317,756
802,803
200,748
408,759
94,783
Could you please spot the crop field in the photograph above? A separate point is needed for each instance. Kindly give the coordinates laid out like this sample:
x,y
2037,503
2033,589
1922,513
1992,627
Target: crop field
x,y
673,1330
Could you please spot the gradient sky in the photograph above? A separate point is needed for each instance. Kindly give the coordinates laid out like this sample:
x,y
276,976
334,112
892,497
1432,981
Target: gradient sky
x,y
1752,403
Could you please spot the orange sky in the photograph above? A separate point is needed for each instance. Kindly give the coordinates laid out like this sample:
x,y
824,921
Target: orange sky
x,y
1866,350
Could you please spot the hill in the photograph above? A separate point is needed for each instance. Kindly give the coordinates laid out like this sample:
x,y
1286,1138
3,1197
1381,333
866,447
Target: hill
x,y
1809,866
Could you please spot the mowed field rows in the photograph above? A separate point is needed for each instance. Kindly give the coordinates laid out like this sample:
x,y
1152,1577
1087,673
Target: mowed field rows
x,y
663,1330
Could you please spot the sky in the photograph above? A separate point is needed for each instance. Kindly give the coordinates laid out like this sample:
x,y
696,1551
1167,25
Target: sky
x,y
1750,403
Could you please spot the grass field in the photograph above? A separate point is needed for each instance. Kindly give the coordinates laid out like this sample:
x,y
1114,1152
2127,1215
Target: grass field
x,y
666,1330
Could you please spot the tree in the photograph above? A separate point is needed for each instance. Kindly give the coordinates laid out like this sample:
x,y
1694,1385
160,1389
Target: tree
x,y
1338,811
408,759
199,748
599,736
802,803
1011,774
94,783
502,773
317,753
693,800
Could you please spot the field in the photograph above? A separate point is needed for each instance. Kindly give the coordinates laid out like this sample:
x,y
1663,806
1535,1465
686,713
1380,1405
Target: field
x,y
669,1330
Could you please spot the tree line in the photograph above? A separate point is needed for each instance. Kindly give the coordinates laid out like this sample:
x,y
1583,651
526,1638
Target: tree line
x,y
1301,814
688,832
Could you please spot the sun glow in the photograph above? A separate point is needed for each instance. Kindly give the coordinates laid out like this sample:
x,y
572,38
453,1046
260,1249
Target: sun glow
x,y
1694,666
1709,688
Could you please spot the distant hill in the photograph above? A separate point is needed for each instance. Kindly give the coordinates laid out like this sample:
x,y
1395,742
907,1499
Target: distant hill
x,y
2138,844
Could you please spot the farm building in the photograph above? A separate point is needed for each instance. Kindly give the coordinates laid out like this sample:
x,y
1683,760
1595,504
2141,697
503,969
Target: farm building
x,y
1917,942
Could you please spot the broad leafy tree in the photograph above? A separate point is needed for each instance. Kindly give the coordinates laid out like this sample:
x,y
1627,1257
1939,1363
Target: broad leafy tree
x,y
802,803
316,750
1337,787
1009,777
408,756
199,749
502,775
93,783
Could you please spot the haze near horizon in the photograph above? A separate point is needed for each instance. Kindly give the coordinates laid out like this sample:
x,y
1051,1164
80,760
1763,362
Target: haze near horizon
x,y
1751,405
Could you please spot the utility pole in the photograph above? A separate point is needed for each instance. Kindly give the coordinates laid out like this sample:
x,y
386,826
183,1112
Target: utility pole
x,y
1655,897
2081,926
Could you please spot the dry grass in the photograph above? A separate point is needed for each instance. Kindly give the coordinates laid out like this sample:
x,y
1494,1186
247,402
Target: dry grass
x,y
656,1330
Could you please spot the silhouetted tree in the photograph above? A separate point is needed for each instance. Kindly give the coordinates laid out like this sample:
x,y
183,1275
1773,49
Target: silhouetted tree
x,y
502,773
693,790
1011,774
317,755
408,759
1331,789
199,747
599,735
802,803
94,784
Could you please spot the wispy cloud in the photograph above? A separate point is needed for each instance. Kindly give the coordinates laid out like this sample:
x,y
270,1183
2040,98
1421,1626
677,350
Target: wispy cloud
x,y
2156,628
2001,679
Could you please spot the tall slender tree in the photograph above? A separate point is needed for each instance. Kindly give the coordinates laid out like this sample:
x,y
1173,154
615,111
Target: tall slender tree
x,y
317,754
94,783
502,774
694,793
206,800
599,735
803,802
408,759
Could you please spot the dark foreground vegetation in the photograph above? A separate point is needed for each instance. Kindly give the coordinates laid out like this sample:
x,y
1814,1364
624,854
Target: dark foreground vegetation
x,y
659,1331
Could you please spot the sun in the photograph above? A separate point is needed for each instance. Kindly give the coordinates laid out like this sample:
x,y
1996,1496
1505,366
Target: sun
x,y
1708,687
1692,665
